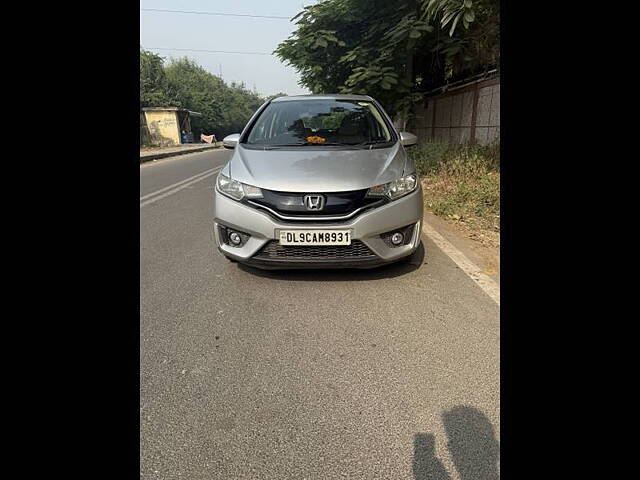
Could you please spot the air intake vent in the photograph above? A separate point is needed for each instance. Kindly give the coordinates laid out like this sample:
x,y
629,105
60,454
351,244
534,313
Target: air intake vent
x,y
356,251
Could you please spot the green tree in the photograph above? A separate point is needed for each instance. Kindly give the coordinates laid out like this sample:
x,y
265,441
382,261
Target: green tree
x,y
197,90
391,50
225,108
240,104
154,88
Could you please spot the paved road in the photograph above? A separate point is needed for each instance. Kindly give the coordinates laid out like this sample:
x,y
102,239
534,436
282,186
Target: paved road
x,y
388,373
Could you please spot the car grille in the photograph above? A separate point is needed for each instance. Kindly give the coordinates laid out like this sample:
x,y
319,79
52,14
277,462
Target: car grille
x,y
327,253
335,204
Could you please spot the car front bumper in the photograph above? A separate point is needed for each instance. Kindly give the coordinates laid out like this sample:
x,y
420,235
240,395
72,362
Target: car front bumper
x,y
365,228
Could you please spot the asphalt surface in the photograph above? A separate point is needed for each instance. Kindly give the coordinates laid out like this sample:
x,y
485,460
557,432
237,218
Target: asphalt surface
x,y
387,373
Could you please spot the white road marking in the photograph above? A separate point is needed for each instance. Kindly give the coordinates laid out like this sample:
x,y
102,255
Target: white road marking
x,y
144,197
176,187
486,283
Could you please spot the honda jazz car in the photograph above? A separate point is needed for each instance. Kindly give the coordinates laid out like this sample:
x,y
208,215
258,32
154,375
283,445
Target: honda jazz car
x,y
318,181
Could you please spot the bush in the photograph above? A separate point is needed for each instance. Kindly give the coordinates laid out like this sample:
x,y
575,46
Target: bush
x,y
461,182
453,159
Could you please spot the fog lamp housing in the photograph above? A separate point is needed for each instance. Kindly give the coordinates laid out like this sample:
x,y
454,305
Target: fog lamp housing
x,y
231,237
397,238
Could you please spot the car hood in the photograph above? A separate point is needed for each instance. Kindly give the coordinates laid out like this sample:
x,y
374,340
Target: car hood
x,y
308,170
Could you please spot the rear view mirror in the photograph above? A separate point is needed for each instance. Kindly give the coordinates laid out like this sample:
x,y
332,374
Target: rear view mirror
x,y
230,141
408,139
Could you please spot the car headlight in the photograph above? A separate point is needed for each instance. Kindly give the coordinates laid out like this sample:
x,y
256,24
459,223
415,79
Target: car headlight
x,y
236,190
396,189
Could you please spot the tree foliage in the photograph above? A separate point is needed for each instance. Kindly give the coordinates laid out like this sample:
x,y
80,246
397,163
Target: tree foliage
x,y
391,50
183,83
154,88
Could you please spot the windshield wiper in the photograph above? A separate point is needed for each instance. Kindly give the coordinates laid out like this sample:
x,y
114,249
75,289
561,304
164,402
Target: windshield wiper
x,y
326,144
366,144
333,144
282,145
306,144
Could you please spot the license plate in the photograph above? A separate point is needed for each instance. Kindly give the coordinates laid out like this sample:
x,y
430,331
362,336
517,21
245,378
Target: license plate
x,y
315,237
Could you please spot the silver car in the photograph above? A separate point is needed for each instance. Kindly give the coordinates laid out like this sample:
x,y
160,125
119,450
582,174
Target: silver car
x,y
318,181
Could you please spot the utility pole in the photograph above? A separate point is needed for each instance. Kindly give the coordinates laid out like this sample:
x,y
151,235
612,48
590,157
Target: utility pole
x,y
220,70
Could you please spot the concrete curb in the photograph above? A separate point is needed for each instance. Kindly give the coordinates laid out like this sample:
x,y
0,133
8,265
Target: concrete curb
x,y
155,156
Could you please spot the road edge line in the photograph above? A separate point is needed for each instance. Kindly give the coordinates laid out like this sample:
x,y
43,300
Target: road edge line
x,y
486,283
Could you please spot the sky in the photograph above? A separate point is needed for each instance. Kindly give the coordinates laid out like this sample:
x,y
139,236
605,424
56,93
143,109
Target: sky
x,y
244,34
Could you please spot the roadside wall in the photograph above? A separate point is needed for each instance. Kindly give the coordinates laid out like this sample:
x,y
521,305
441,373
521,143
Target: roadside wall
x,y
470,114
145,137
163,127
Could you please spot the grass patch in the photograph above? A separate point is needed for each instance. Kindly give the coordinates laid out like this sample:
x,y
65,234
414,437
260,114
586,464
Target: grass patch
x,y
461,182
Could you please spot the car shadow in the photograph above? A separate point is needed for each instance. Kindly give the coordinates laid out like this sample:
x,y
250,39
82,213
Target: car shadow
x,y
402,267
471,442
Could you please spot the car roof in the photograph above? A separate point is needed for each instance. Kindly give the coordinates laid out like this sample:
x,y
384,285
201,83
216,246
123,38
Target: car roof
x,y
337,96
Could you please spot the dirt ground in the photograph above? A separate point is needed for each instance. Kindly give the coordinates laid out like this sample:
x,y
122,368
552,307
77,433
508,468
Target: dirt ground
x,y
480,246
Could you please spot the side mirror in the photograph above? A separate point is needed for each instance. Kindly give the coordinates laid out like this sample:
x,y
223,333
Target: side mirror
x,y
408,139
230,141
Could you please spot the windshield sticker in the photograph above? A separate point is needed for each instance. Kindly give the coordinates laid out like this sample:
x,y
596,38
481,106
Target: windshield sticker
x,y
316,139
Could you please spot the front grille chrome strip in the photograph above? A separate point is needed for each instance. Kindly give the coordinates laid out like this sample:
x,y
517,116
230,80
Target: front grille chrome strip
x,y
315,217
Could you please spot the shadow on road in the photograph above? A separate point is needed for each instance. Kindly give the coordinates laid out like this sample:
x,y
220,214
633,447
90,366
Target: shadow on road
x,y
471,443
388,271
425,464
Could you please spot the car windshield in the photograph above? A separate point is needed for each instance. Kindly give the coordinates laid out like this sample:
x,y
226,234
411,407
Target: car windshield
x,y
319,122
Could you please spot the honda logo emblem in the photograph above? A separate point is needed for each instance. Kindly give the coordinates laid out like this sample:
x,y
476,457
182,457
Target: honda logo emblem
x,y
314,202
